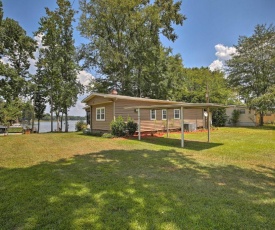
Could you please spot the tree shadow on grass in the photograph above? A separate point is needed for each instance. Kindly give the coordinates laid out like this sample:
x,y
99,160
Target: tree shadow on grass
x,y
265,127
138,189
170,142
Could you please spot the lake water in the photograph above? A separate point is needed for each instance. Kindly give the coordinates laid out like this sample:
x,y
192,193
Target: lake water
x,y
45,126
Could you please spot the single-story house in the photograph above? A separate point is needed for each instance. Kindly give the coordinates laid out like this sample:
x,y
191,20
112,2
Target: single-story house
x,y
101,109
248,117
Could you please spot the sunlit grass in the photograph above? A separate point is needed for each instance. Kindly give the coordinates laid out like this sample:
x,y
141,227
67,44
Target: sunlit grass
x,y
72,181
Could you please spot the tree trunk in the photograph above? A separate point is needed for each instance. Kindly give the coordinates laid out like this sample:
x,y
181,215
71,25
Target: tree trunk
x,y
66,120
51,114
261,122
38,126
61,120
57,122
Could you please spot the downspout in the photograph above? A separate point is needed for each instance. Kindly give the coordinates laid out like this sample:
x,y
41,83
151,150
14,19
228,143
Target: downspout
x,y
114,109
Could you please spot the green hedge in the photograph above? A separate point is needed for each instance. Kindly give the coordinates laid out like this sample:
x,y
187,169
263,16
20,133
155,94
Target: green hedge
x,y
15,130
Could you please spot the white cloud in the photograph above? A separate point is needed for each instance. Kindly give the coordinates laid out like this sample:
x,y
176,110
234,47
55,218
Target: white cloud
x,y
78,110
223,53
38,40
216,65
85,77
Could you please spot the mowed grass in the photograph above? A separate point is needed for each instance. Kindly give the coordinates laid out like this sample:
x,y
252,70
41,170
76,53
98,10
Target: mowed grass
x,y
73,181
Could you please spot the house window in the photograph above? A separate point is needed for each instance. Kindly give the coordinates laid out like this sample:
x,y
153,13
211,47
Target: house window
x,y
100,114
268,113
176,114
242,111
164,114
153,114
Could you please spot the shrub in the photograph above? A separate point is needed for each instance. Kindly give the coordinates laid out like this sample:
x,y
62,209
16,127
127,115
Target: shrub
x,y
80,125
219,117
118,127
107,135
131,126
95,134
15,130
235,117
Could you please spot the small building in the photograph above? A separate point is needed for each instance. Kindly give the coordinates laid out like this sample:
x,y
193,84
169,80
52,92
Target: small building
x,y
101,109
247,117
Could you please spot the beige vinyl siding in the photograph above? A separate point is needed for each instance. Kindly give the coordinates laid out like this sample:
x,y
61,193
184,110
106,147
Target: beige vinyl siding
x,y
98,100
102,125
194,116
268,118
246,119
190,115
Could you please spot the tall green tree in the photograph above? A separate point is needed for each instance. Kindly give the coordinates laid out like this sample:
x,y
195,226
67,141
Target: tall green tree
x,y
10,111
124,40
17,49
69,66
198,83
58,59
1,12
252,68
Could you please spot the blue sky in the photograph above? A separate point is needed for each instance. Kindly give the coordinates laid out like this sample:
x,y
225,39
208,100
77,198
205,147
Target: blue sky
x,y
211,28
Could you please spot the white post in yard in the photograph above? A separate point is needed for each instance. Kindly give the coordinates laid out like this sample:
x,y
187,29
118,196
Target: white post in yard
x,y
208,124
182,126
167,123
139,136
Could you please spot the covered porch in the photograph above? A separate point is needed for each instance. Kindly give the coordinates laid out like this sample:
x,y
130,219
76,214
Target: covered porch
x,y
182,107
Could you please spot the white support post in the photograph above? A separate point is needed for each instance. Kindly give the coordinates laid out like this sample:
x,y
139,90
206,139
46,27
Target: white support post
x,y
139,136
208,124
167,123
182,126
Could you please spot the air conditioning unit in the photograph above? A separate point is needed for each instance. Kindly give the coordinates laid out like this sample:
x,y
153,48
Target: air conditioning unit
x,y
190,127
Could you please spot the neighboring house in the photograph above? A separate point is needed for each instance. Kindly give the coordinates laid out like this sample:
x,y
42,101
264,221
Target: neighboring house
x,y
101,109
247,117
269,118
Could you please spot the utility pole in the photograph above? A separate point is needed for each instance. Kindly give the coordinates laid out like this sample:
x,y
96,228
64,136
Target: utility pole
x,y
207,101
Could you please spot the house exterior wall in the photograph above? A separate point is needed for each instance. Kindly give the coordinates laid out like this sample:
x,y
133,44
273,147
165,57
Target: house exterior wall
x,y
115,108
269,118
248,118
99,102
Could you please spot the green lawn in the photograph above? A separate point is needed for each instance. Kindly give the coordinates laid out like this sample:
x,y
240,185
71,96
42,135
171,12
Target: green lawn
x,y
73,181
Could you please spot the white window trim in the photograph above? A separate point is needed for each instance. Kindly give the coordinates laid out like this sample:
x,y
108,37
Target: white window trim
x,y
100,114
152,119
176,118
165,114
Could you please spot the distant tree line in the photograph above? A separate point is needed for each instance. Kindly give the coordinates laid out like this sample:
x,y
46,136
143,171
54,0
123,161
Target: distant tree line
x,y
47,117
